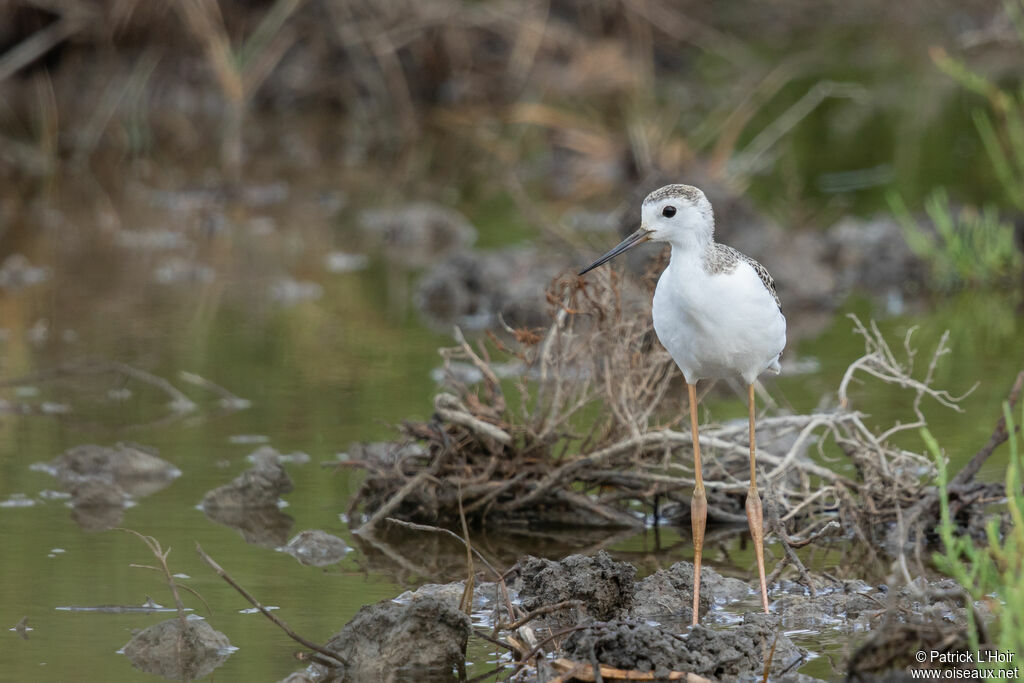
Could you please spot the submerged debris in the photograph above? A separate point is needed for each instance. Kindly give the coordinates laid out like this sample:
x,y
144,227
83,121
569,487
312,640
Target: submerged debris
x,y
22,628
920,617
317,548
851,601
267,527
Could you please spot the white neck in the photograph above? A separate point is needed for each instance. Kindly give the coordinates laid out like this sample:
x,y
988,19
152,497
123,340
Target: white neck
x,y
693,241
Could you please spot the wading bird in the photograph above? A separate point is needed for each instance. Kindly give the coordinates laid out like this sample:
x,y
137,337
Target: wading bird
x,y
717,313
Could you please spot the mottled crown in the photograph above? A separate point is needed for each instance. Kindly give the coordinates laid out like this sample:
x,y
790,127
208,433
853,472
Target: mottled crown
x,y
687,193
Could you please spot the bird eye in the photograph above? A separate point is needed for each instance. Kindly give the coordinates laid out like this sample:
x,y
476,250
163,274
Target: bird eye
x,y
668,211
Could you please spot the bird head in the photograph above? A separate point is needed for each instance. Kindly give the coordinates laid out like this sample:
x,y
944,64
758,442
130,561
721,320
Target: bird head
x,y
678,214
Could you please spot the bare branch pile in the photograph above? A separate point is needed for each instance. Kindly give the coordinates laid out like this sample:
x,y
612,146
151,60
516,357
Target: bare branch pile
x,y
587,438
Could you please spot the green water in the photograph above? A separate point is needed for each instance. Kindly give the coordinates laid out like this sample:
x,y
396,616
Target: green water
x,y
320,374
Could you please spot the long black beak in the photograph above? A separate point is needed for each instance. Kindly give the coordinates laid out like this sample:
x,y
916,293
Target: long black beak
x,y
638,237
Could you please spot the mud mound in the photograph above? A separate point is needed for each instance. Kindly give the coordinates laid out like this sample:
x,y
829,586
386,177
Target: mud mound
x,y
134,469
722,655
103,480
667,594
847,601
739,651
260,486
423,636
637,647
605,587
164,649
316,548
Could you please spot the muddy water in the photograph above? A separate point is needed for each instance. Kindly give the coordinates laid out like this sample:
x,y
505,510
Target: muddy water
x,y
323,359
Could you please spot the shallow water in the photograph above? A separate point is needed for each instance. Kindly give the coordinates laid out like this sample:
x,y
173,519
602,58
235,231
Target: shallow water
x,y
319,373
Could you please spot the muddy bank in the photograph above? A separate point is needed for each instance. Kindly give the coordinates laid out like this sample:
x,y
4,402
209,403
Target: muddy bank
x,y
565,617
644,625
722,655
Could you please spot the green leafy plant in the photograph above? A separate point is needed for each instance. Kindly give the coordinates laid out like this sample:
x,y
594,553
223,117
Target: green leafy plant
x,y
1001,127
989,572
968,246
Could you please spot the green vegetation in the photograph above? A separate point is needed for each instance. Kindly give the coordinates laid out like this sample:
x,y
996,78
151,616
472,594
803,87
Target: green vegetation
x,y
1001,127
993,569
968,247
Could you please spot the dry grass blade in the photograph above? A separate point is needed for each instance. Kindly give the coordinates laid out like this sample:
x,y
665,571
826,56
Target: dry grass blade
x,y
38,44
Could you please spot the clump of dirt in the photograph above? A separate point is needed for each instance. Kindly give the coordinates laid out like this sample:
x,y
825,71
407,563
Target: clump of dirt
x,y
609,590
889,652
425,635
667,594
846,601
605,587
260,486
484,594
97,505
632,646
249,504
720,654
166,650
729,653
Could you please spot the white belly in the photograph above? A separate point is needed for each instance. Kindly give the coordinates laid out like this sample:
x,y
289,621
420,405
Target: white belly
x,y
718,326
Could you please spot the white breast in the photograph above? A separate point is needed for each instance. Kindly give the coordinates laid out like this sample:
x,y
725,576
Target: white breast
x,y
718,326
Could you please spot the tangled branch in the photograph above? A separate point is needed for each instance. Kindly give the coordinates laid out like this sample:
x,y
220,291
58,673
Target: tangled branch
x,y
590,439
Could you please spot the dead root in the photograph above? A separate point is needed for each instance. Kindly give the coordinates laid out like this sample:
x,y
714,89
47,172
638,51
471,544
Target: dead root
x,y
589,438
